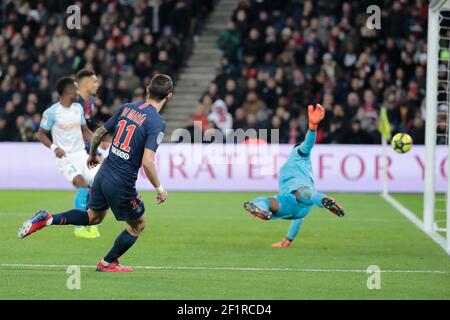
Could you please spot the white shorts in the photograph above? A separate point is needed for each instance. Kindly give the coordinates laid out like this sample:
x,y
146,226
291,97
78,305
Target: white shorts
x,y
75,164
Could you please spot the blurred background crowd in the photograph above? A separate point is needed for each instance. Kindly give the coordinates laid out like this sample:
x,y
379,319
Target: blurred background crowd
x,y
124,41
278,57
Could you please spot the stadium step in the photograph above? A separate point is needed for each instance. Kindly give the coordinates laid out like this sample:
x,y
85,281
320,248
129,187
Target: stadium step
x,y
203,54
202,59
196,76
174,124
202,84
212,33
187,90
187,96
216,26
207,38
200,69
205,60
175,120
185,100
185,107
205,46
199,51
177,117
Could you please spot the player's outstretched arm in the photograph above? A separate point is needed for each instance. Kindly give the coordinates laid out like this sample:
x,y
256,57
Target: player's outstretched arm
x,y
294,228
148,163
97,138
315,115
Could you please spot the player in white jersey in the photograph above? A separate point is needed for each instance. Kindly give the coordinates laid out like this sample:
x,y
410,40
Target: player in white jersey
x,y
66,123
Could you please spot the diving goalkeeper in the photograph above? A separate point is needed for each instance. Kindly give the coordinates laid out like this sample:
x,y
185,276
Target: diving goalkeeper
x,y
297,194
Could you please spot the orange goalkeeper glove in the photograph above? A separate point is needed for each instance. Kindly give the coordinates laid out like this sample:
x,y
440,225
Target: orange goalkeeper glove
x,y
315,116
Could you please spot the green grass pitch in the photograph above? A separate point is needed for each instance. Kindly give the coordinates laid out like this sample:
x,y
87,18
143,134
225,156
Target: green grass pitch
x,y
204,242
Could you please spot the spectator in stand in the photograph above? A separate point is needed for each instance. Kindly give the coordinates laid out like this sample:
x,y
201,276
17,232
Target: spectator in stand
x,y
123,41
252,103
281,56
356,135
229,41
220,117
417,129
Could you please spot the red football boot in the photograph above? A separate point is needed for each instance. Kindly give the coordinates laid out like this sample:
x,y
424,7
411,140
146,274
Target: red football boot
x,y
333,206
256,211
36,223
112,267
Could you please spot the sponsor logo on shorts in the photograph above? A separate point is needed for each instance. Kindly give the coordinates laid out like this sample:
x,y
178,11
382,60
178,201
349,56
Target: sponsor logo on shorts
x,y
120,153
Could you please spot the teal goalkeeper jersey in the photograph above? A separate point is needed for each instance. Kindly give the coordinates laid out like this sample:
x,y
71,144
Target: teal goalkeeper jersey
x,y
296,172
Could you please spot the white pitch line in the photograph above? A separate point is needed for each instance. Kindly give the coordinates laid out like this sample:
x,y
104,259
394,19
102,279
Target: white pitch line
x,y
414,219
18,265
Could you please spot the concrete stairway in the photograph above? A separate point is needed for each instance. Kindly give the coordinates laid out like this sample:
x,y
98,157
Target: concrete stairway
x,y
194,79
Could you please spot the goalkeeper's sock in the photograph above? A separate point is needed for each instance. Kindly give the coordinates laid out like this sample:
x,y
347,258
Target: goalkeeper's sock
x,y
123,242
81,197
262,203
317,199
74,217
294,228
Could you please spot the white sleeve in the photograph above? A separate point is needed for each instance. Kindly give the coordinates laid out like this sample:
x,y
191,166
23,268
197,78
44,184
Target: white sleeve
x,y
48,119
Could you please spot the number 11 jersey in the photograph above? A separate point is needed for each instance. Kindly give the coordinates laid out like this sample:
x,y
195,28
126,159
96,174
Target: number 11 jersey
x,y
136,127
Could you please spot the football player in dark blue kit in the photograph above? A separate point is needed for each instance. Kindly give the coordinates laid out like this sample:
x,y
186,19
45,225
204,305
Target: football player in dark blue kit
x,y
88,85
137,131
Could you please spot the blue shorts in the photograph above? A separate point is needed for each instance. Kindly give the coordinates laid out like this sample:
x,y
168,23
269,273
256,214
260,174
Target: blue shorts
x,y
290,208
125,202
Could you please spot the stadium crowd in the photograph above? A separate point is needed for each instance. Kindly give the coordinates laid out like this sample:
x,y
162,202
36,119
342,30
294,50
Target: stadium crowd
x,y
124,41
281,55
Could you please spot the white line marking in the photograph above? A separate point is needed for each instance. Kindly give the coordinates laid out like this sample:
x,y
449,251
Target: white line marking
x,y
413,218
19,265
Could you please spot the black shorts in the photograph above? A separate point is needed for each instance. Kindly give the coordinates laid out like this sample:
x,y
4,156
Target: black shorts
x,y
125,202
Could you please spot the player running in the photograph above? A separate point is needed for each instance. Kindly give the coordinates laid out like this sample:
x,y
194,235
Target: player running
x,y
88,85
66,123
297,194
137,129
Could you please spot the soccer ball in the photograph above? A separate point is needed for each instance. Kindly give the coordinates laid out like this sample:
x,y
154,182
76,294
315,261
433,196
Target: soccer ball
x,y
402,142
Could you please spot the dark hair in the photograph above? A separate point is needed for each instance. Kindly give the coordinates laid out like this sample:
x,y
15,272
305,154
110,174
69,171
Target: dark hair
x,y
160,87
84,73
62,84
